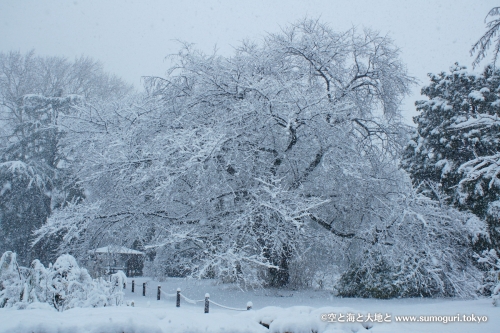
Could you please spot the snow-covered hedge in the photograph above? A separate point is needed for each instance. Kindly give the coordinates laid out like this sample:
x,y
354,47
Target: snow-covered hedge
x,y
63,285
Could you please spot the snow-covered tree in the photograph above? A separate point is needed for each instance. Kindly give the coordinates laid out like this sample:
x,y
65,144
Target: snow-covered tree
x,y
34,176
31,172
457,142
241,167
490,36
226,164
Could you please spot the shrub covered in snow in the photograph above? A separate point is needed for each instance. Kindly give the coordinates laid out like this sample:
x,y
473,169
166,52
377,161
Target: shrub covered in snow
x,y
11,280
39,282
492,278
63,285
425,252
70,284
496,295
118,280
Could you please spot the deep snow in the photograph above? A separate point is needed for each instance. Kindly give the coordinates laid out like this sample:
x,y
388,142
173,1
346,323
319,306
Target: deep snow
x,y
285,311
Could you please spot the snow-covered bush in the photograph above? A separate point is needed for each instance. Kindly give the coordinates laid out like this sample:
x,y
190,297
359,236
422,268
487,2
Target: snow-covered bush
x,y
424,252
39,282
496,295
116,293
63,285
373,278
70,284
105,293
316,267
492,278
11,280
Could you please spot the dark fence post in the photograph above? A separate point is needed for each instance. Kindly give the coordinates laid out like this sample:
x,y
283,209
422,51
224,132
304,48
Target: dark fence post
x,y
133,285
249,306
178,301
158,293
207,296
124,285
144,289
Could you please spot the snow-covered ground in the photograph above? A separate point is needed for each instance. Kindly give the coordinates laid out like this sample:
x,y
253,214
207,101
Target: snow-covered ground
x,y
284,310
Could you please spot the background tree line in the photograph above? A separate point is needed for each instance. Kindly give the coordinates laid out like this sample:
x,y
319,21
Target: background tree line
x,y
36,177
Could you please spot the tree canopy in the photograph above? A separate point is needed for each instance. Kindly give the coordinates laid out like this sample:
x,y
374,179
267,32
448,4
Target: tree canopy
x,y
247,167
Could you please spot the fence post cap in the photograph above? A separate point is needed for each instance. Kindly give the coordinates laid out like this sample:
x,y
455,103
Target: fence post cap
x,y
207,295
178,289
159,286
250,304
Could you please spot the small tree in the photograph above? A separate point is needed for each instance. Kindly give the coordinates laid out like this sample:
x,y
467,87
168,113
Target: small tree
x,y
117,283
11,281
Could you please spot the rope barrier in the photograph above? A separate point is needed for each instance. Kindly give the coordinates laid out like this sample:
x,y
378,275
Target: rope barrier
x,y
195,302
226,307
192,301
168,295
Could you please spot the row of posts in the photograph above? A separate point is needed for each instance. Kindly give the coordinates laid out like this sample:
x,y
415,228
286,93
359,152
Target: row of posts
x,y
178,297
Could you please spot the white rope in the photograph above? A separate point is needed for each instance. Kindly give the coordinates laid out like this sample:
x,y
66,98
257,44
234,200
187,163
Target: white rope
x,y
168,295
226,307
192,301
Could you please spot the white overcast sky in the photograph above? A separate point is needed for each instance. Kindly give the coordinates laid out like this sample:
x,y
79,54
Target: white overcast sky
x,y
132,38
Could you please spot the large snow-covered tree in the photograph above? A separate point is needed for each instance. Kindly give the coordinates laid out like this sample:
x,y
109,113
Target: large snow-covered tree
x,y
242,167
454,151
34,176
224,169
